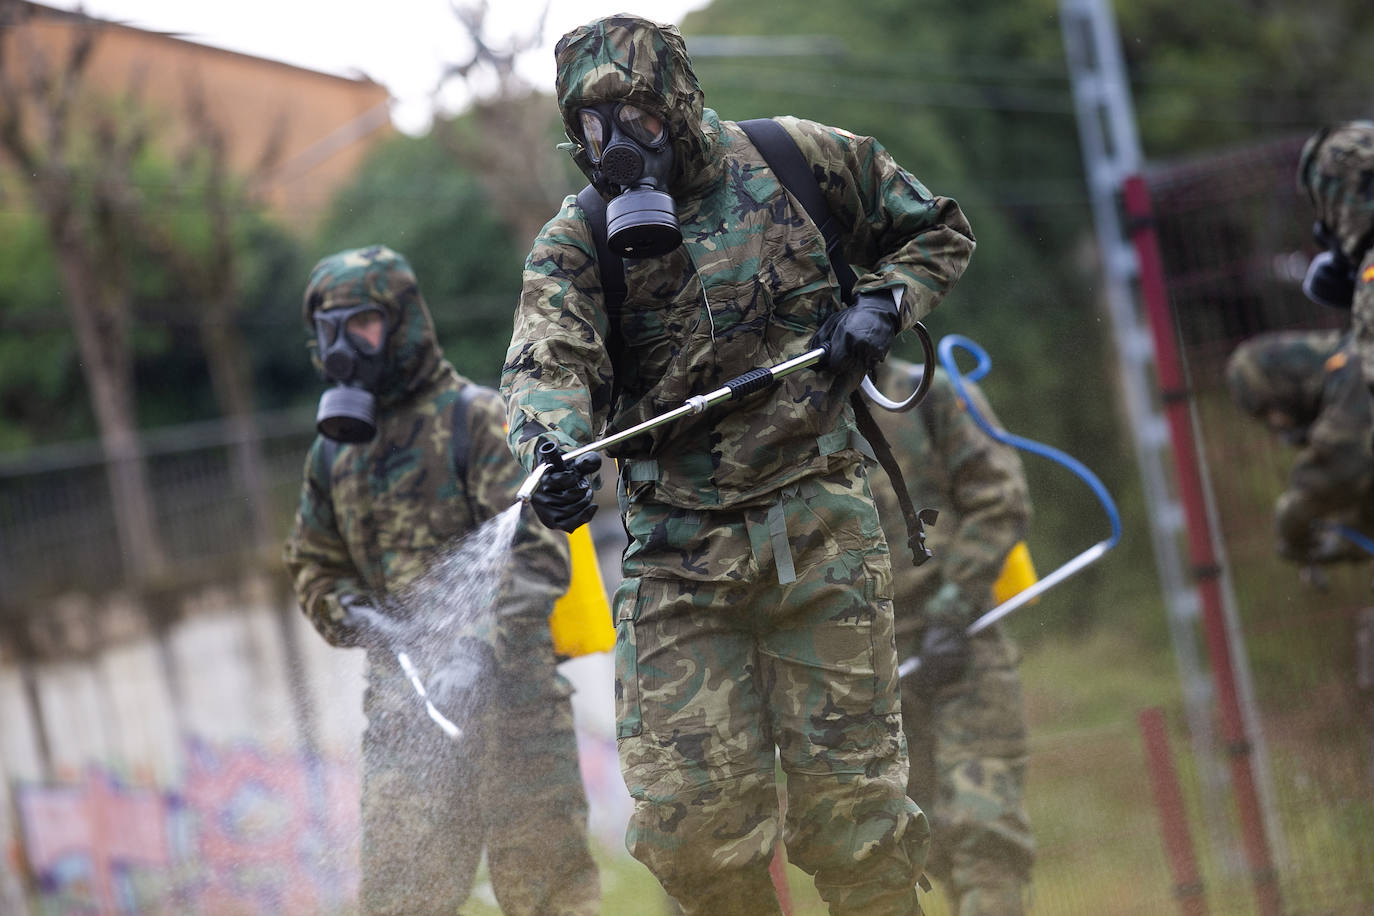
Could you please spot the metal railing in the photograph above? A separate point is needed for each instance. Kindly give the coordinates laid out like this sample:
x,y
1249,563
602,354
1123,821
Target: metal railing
x,y
57,524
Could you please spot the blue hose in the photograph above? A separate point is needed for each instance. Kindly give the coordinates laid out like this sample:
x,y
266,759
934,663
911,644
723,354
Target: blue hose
x,y
1355,537
947,359
1084,559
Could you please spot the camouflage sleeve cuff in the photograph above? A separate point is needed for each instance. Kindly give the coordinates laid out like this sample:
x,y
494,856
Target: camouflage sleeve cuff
x,y
335,623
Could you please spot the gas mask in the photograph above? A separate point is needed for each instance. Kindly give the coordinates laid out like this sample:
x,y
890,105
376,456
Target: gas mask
x,y
629,149
1330,277
352,345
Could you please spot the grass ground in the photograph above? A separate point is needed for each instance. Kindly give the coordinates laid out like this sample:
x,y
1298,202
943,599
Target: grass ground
x,y
1100,851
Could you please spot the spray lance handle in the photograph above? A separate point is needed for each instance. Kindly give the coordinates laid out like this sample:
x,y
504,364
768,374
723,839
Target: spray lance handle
x,y
748,383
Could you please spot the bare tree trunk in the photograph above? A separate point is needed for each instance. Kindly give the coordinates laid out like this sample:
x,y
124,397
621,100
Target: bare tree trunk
x,y
84,210
106,363
226,355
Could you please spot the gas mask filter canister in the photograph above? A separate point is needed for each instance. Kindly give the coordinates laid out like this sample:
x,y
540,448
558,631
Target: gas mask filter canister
x,y
630,151
351,347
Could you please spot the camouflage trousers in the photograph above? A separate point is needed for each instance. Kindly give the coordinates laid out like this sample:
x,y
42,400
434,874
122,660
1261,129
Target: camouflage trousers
x,y
719,679
968,763
510,784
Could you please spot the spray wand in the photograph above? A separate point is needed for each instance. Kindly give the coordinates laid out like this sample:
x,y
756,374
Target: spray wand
x,y
756,379
413,675
1078,563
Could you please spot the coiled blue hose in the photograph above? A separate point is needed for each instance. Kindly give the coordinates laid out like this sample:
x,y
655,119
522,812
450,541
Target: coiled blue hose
x,y
1092,554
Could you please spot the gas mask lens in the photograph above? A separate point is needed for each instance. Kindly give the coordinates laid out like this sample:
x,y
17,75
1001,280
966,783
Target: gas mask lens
x,y
594,133
365,330
643,127
648,130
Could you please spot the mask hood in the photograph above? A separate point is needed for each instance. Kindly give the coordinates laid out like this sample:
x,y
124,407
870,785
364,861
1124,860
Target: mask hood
x,y
379,276
624,58
1336,173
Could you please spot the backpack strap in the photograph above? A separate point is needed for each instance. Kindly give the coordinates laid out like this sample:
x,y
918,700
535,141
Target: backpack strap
x,y
330,447
785,158
459,440
611,266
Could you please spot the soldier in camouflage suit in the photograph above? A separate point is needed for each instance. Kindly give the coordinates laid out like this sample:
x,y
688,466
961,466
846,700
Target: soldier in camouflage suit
x,y
1336,172
962,708
373,518
1307,387
754,617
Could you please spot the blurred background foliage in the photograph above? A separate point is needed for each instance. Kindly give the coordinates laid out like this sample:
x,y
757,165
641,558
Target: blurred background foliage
x,y
973,98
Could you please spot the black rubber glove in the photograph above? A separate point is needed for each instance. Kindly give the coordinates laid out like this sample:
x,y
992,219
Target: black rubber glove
x,y
566,499
859,337
945,655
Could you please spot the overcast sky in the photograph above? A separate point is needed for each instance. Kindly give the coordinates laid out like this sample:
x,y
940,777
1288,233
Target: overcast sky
x,y
402,44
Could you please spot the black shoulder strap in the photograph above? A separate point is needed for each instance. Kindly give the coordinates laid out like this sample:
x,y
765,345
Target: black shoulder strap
x,y
783,156
611,266
458,443
330,447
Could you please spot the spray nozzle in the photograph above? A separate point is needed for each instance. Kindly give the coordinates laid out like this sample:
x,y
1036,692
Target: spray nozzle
x,y
550,459
532,482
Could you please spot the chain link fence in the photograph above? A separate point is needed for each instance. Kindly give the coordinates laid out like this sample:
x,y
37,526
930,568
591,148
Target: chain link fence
x,y
57,521
1234,234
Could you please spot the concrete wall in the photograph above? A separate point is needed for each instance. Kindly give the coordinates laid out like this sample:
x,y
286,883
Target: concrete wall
x,y
116,725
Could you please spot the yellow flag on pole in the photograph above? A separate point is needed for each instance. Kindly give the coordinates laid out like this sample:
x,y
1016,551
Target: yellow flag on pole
x,y
581,620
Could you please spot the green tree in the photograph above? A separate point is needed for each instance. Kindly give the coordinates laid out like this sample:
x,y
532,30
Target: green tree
x,y
413,197
1208,75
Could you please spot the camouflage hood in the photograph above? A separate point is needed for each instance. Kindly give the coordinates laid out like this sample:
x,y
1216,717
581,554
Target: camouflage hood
x,y
624,58
378,274
1336,172
1284,372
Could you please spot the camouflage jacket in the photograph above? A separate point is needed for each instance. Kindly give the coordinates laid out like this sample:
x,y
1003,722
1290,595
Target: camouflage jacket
x,y
1336,172
1362,317
749,286
1308,385
374,516
1333,476
977,484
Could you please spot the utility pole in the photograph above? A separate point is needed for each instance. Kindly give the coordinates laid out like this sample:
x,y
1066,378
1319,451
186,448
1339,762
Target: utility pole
x,y
1112,162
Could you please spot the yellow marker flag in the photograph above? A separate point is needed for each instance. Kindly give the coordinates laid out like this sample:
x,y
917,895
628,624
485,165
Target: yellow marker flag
x,y
1018,574
581,619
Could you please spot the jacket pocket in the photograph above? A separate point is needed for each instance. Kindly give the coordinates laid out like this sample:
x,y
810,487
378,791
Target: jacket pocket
x,y
629,720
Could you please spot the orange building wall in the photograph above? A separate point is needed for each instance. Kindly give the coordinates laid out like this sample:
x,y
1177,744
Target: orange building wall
x,y
327,123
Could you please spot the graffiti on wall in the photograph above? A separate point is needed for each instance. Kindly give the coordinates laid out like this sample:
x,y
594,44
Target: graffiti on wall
x,y
247,831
